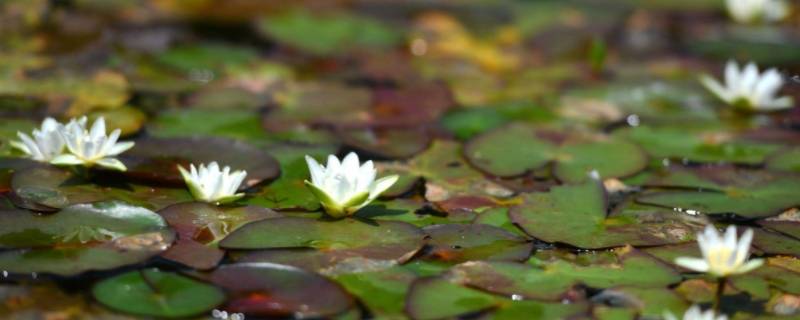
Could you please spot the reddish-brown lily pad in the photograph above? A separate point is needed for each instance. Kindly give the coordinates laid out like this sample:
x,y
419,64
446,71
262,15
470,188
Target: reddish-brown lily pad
x,y
275,290
200,226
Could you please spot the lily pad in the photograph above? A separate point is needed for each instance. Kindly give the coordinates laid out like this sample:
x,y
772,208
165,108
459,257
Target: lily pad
x,y
386,143
465,242
577,215
151,292
339,242
553,281
383,292
786,160
156,159
71,261
437,298
726,190
330,33
575,161
83,237
447,175
77,224
686,145
45,188
200,226
274,290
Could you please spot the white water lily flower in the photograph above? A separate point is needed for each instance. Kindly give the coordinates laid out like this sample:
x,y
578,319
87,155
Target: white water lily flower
x,y
722,256
210,184
695,313
43,144
91,147
753,11
344,187
749,89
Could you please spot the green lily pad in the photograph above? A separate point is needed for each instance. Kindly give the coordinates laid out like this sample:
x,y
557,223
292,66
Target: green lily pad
x,y
552,281
727,190
576,215
200,226
157,159
234,124
465,242
151,292
46,188
575,161
337,243
447,175
680,144
436,298
786,160
490,152
77,224
382,292
329,33
771,242
82,237
71,261
274,290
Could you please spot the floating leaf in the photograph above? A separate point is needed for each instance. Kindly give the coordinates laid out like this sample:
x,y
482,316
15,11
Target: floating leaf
x,y
274,290
330,33
383,292
46,188
552,281
685,145
576,215
575,161
727,190
338,243
151,292
465,242
200,226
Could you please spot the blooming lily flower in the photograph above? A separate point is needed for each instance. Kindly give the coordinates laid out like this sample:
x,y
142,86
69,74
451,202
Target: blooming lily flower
x,y
694,313
210,184
752,11
748,89
722,256
91,147
344,187
45,144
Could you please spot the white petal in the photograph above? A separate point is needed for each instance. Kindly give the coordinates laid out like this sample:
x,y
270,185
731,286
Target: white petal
x,y
716,88
111,163
750,265
743,247
120,147
695,264
748,80
350,164
315,170
67,159
98,128
366,175
731,74
382,185
332,167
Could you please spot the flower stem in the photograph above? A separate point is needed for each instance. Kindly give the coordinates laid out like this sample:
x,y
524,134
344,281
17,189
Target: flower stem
x,y
721,281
